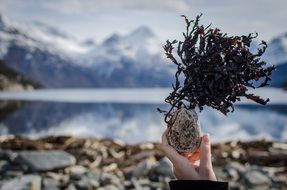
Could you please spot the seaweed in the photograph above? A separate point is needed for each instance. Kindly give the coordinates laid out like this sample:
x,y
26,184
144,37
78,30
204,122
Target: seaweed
x,y
214,69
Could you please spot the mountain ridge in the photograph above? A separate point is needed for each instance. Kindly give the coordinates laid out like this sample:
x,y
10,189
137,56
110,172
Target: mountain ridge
x,y
137,59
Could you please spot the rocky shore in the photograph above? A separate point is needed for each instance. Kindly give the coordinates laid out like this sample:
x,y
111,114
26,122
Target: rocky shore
x,y
70,163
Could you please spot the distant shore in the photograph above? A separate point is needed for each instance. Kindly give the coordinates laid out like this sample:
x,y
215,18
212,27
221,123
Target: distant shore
x,y
67,162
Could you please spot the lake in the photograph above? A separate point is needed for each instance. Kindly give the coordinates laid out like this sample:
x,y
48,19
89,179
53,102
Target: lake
x,y
130,115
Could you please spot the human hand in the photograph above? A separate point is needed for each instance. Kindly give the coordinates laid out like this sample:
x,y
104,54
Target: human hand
x,y
185,168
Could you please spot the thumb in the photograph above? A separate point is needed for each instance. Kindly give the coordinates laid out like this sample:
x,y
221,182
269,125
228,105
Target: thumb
x,y
205,153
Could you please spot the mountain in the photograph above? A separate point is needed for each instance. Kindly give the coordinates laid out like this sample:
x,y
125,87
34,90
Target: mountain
x,y
135,59
43,55
277,50
57,60
276,54
11,80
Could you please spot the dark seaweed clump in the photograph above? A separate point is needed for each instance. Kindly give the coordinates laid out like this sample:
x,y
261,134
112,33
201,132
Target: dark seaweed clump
x,y
214,69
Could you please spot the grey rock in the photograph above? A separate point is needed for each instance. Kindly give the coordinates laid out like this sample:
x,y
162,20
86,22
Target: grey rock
x,y
71,187
4,166
7,155
237,166
26,182
86,183
50,184
220,174
257,178
83,184
94,174
144,167
108,187
79,170
45,160
13,173
109,179
136,184
164,168
232,173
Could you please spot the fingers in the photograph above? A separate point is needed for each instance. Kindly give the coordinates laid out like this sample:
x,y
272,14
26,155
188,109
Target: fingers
x,y
183,168
205,153
170,152
193,157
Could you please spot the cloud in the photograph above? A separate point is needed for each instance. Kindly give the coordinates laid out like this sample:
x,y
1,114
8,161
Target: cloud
x,y
91,6
101,18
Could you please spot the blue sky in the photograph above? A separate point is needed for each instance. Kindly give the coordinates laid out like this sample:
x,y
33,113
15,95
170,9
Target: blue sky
x,y
100,18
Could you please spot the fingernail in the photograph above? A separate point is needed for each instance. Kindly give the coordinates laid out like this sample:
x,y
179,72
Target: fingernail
x,y
206,138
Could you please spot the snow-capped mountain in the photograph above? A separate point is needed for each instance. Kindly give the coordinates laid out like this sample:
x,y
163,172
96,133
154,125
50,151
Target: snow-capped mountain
x,y
57,60
37,36
276,54
138,53
139,44
43,55
277,50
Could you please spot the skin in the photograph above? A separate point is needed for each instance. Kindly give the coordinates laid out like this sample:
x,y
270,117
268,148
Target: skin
x,y
186,167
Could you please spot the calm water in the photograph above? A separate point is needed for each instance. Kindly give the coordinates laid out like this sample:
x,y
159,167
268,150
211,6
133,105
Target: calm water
x,y
130,115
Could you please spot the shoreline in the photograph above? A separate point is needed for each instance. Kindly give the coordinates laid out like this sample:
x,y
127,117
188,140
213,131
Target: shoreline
x,y
66,162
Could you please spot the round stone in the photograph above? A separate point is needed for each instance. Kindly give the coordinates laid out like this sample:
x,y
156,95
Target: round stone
x,y
184,133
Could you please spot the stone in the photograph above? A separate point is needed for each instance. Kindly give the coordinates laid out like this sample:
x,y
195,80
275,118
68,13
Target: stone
x,y
45,160
164,168
7,155
232,173
12,173
220,174
278,145
184,133
83,184
143,167
4,166
108,187
237,166
257,178
108,179
79,170
71,187
50,184
54,176
26,182
94,174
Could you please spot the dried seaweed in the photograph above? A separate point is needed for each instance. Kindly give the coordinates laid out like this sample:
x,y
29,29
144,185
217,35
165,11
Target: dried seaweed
x,y
214,69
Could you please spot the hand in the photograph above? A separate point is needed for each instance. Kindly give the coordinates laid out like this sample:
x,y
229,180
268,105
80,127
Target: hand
x,y
186,168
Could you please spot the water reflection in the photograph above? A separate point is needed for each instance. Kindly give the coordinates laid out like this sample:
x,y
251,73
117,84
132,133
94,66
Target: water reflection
x,y
135,123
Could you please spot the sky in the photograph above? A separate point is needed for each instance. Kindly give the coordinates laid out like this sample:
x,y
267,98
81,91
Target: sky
x,y
98,19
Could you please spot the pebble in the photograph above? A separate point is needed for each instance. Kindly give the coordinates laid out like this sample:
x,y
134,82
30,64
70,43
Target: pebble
x,y
164,168
45,160
232,173
107,165
237,166
25,182
143,167
4,166
77,169
50,184
257,178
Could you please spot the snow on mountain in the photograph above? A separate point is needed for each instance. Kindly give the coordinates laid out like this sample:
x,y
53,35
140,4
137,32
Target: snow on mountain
x,y
140,43
137,59
55,60
140,50
276,52
37,36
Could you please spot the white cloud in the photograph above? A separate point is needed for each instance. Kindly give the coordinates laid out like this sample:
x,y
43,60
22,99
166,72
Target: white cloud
x,y
101,18
84,6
